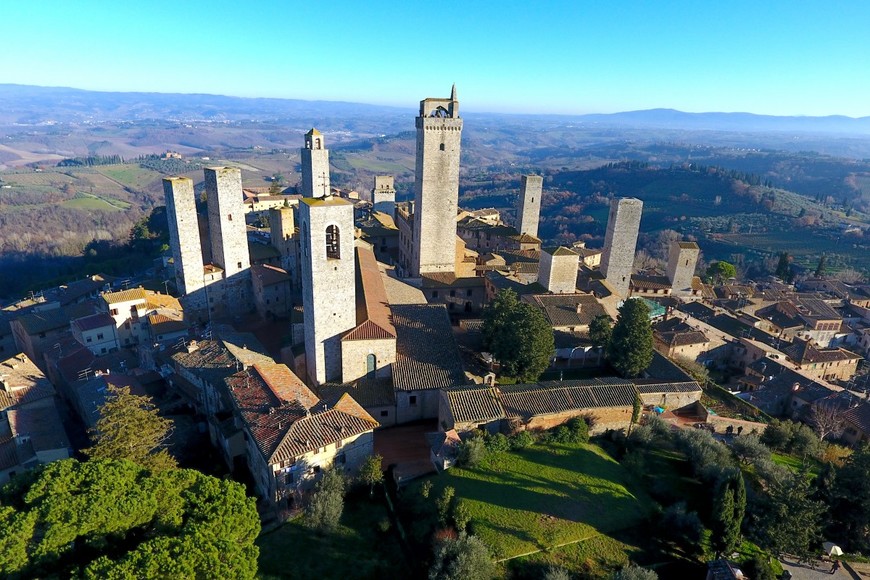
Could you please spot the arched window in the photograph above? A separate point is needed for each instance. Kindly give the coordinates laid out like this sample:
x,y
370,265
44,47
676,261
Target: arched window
x,y
371,363
317,143
333,251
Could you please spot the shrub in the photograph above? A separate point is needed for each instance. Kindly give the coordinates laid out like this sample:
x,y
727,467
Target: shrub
x,y
461,516
749,449
632,572
579,430
465,557
641,436
681,525
556,573
327,502
471,452
444,503
521,440
497,443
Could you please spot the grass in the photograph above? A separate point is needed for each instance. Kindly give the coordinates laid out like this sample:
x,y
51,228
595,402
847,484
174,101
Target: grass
x,y
813,466
545,496
129,175
88,201
596,557
357,549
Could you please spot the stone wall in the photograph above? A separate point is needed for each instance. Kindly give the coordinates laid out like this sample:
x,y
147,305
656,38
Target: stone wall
x,y
184,233
529,204
226,219
355,353
620,242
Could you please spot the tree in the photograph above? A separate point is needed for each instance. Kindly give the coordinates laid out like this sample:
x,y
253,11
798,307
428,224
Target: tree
x,y
748,449
130,428
635,572
729,506
849,521
518,335
326,504
827,419
371,473
790,520
820,269
630,349
115,519
783,267
462,558
719,271
600,330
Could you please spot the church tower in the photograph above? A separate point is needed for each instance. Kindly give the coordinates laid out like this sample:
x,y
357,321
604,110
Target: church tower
x,y
315,165
529,204
436,187
184,233
328,282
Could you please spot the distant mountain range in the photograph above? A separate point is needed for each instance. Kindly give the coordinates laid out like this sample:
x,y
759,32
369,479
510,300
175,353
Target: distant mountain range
x,y
23,104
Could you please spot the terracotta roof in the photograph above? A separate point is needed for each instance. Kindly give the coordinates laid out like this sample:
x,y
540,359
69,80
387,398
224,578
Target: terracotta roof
x,y
562,309
474,404
42,425
367,392
372,306
648,388
804,352
93,321
21,382
156,300
130,295
859,417
161,323
285,385
426,353
528,401
650,282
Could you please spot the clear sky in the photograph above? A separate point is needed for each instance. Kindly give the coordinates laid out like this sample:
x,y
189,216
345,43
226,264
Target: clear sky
x,y
574,56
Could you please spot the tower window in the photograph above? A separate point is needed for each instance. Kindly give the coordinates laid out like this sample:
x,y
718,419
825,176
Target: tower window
x,y
441,147
371,363
229,217
332,243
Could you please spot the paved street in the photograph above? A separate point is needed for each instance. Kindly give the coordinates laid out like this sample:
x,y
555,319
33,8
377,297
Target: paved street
x,y
821,571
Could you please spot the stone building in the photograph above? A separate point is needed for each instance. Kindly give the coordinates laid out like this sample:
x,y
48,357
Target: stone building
x,y
529,204
328,289
315,165
184,237
682,258
436,187
620,242
271,286
557,271
384,194
283,235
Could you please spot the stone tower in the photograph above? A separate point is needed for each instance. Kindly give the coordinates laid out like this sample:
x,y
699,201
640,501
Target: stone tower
x,y
436,187
557,270
384,194
328,283
226,220
682,258
315,165
529,204
282,233
617,260
184,233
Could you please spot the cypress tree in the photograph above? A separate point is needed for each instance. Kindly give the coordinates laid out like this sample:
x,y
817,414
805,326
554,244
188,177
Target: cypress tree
x,y
630,349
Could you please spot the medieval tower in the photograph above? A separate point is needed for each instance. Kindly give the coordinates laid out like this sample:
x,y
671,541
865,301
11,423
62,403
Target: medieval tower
x,y
315,165
529,204
436,188
682,258
557,271
184,233
623,225
384,194
328,282
226,220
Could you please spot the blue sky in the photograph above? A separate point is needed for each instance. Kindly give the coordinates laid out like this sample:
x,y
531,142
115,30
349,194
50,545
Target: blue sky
x,y
764,56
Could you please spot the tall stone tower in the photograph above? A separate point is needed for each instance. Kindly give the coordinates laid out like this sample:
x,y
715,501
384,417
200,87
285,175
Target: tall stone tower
x,y
436,188
529,204
557,270
384,194
620,241
282,231
328,283
315,165
226,220
682,258
184,233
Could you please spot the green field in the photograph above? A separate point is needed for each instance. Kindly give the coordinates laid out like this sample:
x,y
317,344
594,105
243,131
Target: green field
x,y
93,202
545,496
130,175
357,549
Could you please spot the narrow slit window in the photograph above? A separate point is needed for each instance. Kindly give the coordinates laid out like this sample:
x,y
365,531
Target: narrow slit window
x,y
333,251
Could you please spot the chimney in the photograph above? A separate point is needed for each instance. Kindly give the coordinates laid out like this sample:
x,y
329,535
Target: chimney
x,y
579,308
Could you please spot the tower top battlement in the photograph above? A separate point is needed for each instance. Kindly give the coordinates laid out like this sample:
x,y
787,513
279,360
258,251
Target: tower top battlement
x,y
445,108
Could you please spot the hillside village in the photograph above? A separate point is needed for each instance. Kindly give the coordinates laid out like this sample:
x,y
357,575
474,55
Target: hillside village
x,y
351,326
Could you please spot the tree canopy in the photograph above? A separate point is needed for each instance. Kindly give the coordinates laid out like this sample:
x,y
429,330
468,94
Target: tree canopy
x,y
130,428
114,519
461,558
630,349
719,271
600,330
518,335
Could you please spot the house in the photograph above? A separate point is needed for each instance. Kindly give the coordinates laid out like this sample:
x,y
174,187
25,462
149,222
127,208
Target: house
x,y
676,338
290,434
567,312
96,332
667,395
856,423
832,364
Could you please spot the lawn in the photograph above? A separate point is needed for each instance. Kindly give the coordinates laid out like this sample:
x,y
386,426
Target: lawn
x,y
130,175
545,496
90,202
357,549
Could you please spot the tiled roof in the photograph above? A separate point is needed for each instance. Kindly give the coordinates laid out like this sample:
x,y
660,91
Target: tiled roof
x,y
688,245
647,388
859,416
562,309
661,369
93,321
161,323
650,282
449,280
44,321
474,404
367,392
42,424
130,295
559,251
372,306
676,332
556,397
21,382
426,353
804,352
156,300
